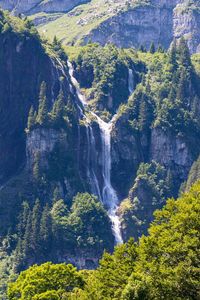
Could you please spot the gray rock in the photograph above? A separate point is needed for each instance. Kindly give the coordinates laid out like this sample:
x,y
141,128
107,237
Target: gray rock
x,y
43,141
171,151
160,22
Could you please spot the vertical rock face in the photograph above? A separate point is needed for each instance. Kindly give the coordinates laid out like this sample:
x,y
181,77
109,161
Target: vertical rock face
x,y
135,27
23,66
186,22
126,156
160,21
43,141
172,152
129,150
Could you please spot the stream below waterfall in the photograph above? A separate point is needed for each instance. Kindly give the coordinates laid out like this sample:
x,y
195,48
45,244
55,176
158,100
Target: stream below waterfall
x,y
107,195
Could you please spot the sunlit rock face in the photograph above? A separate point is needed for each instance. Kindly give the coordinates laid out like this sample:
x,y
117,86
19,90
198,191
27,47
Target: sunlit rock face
x,y
125,24
160,22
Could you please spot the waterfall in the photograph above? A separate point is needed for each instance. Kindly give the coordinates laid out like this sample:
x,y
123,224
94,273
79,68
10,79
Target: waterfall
x,y
91,162
107,195
130,81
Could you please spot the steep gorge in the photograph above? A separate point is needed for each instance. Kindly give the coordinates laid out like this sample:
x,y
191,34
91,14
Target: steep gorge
x,y
101,126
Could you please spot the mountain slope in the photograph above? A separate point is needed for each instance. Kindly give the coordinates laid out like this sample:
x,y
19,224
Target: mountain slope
x,y
124,23
129,24
120,124
25,63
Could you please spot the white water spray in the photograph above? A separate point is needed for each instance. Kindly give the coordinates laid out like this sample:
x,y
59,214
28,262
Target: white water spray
x,y
108,195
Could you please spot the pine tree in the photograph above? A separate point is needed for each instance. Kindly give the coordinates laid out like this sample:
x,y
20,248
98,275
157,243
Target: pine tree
x,y
27,235
142,48
173,56
160,49
56,44
45,233
35,226
172,94
37,174
145,113
31,118
23,219
19,256
152,49
56,195
182,90
59,108
194,174
184,54
42,116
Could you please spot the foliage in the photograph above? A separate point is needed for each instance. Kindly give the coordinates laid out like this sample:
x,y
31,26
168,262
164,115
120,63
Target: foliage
x,y
152,185
59,116
89,223
164,265
46,281
194,174
107,75
168,264
44,230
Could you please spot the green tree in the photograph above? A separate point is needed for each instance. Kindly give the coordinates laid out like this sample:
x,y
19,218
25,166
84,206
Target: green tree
x,y
173,56
45,233
37,169
108,281
42,116
31,118
35,226
160,49
184,54
168,263
152,48
194,174
45,280
58,111
85,223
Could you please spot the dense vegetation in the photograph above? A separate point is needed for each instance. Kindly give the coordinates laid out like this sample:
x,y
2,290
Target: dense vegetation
x,y
53,221
153,184
45,232
103,71
163,265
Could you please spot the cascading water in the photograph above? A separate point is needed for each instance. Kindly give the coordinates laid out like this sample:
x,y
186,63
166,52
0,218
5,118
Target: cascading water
x,y
130,81
108,195
91,155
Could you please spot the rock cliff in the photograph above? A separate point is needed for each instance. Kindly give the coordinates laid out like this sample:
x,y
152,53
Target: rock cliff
x,y
158,22
24,65
124,23
130,23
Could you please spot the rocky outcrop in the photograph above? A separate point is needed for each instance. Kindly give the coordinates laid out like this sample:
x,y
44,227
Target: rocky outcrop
x,y
130,148
150,190
83,261
186,22
138,26
158,22
172,152
124,23
25,64
43,141
126,155
35,6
